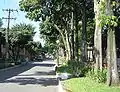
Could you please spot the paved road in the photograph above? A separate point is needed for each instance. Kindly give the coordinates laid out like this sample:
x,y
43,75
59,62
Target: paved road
x,y
33,77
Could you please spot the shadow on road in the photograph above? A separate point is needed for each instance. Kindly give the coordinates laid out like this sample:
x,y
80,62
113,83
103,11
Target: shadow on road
x,y
44,64
41,73
32,80
5,74
22,79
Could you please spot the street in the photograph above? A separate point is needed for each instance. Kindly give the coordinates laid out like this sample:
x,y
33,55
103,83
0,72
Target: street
x,y
32,77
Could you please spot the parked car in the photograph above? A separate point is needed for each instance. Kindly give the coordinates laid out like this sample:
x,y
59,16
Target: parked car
x,y
40,58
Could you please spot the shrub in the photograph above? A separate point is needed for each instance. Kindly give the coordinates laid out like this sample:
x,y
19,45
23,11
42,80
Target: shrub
x,y
77,69
63,61
62,69
99,76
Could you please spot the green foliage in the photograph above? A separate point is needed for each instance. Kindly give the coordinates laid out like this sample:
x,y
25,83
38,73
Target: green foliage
x,y
48,32
90,31
50,48
77,69
19,36
2,36
33,47
102,6
63,61
56,12
105,19
32,7
1,23
100,76
109,20
63,69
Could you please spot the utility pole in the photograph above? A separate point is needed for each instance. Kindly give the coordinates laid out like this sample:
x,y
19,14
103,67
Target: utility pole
x,y
7,30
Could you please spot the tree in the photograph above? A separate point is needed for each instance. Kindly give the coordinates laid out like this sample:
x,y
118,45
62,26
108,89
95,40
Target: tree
x,y
112,74
98,35
1,23
34,48
61,19
87,16
60,14
61,28
2,39
19,36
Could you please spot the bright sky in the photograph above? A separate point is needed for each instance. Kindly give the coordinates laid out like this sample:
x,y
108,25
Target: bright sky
x,y
14,4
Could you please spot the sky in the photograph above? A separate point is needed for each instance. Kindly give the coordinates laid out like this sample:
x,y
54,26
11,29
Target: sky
x,y
20,17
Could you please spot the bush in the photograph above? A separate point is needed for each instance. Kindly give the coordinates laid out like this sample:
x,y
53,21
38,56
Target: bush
x,y
63,61
99,76
77,69
62,69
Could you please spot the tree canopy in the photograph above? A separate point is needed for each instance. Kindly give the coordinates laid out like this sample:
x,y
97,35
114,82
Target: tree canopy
x,y
1,23
19,37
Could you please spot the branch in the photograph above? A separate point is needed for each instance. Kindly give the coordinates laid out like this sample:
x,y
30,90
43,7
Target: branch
x,y
60,31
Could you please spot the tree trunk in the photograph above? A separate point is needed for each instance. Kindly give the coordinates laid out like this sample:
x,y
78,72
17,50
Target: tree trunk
x,y
83,47
17,53
68,45
64,41
112,73
76,40
97,37
67,35
0,51
115,75
72,37
109,72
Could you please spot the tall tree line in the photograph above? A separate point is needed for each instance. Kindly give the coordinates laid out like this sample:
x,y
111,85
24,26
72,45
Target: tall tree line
x,y
69,18
75,23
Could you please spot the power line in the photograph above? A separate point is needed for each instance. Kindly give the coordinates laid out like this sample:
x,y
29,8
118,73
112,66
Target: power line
x,y
8,26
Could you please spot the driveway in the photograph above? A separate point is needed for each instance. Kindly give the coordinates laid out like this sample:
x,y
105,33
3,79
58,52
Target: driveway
x,y
33,77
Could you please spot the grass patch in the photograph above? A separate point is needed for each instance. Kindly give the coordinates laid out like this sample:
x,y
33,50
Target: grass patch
x,y
85,84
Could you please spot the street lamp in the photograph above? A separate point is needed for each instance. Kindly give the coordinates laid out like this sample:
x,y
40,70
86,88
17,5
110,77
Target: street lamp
x,y
57,52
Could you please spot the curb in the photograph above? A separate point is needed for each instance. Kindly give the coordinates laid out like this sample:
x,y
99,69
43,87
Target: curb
x,y
4,69
60,89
